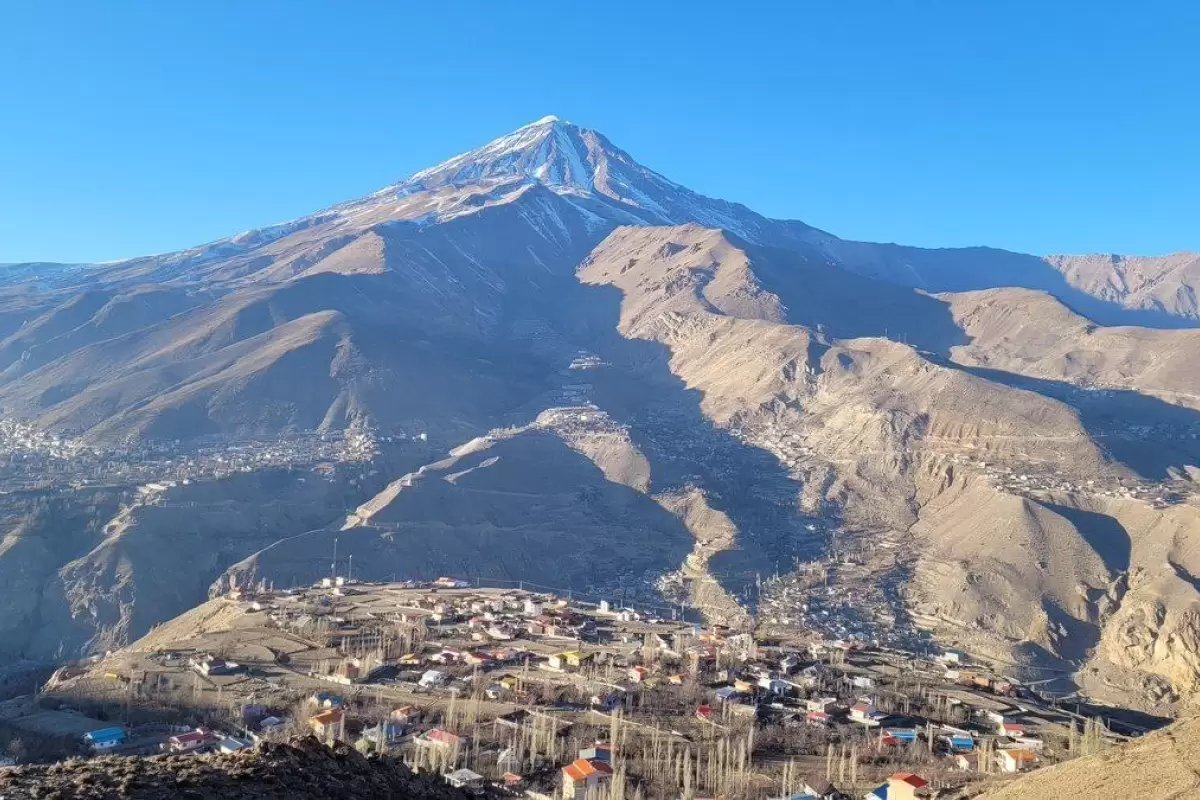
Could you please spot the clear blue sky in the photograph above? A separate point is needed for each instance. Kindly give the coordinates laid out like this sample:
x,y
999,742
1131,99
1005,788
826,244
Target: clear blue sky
x,y
1037,125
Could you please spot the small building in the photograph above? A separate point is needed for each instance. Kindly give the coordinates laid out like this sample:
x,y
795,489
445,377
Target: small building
x,y
253,711
104,738
637,674
865,713
901,786
443,739
901,735
210,665
232,744
330,725
584,779
967,762
347,671
1016,760
192,740
820,788
862,682
1013,729
272,724
464,779
822,704
326,700
570,659
775,685
961,742
728,694
601,751
433,678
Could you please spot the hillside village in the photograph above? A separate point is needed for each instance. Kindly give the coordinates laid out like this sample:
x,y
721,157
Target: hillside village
x,y
533,694
32,459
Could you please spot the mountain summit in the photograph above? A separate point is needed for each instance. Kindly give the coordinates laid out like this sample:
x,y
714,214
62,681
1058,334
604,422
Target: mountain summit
x,y
578,163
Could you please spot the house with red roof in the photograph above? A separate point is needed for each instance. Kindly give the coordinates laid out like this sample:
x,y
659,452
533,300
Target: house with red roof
x,y
1016,760
192,740
902,786
585,778
330,725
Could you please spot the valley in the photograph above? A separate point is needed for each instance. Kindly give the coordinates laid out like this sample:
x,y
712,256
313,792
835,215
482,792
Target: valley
x,y
543,362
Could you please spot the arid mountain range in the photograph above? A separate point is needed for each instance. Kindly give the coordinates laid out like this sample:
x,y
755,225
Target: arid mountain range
x,y
620,385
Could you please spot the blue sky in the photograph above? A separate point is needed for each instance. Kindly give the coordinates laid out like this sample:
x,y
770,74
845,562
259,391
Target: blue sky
x,y
1051,126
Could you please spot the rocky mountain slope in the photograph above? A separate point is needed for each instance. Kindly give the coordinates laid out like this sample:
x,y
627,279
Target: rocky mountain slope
x,y
1164,765
609,357
301,769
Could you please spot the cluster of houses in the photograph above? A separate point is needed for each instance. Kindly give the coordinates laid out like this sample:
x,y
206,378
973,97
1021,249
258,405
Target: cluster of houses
x,y
445,640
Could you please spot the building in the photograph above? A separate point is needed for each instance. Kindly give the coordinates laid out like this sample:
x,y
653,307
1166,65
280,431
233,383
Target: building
x,y
231,744
821,704
961,742
728,694
601,751
1013,729
820,788
464,779
271,725
443,739
105,738
583,778
1016,760
347,671
210,665
967,762
901,735
330,725
433,678
326,700
570,659
775,685
192,740
403,714
865,713
862,682
901,786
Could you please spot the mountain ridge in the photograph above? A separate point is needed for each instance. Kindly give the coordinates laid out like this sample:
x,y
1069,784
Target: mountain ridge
x,y
720,398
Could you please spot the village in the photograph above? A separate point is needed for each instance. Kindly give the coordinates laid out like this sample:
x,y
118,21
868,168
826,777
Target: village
x,y
32,459
542,695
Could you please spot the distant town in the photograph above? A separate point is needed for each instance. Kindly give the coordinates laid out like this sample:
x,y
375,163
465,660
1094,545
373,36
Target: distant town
x,y
542,695
32,459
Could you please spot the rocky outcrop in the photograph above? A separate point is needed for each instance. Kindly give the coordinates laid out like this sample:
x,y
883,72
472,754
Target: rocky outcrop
x,y
1159,766
300,769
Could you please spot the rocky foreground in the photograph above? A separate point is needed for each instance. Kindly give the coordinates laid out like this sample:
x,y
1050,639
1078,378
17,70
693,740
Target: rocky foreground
x,y
1164,765
300,769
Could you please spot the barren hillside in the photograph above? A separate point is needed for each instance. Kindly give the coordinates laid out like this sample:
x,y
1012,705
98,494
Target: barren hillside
x,y
626,387
1164,765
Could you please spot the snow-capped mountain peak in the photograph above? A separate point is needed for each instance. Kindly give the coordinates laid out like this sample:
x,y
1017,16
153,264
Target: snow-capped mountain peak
x,y
548,151
582,165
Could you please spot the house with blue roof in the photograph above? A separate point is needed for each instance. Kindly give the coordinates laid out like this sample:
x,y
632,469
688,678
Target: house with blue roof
x,y
105,738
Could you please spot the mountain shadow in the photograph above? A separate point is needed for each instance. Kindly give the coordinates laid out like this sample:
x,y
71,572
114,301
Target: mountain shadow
x,y
1147,435
684,447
